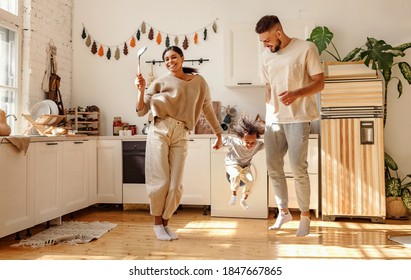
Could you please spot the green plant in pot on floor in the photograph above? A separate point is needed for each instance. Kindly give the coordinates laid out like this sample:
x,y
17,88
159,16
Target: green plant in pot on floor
x,y
397,191
376,54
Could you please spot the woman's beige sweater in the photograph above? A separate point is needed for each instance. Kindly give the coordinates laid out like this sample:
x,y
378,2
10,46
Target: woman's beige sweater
x,y
169,96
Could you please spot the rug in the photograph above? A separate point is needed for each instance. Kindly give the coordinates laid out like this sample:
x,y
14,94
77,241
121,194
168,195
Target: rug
x,y
71,232
404,239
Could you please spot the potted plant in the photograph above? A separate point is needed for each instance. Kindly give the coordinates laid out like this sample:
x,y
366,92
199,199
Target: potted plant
x,y
376,54
397,192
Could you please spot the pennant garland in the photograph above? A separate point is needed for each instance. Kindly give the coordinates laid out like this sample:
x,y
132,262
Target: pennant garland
x,y
105,50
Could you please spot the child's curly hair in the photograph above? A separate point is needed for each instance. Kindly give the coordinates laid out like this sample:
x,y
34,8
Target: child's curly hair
x,y
248,126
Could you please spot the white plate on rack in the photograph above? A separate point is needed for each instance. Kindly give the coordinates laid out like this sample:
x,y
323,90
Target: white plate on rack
x,y
54,110
39,109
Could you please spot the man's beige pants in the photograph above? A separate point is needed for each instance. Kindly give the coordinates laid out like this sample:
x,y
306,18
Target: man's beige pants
x,y
166,152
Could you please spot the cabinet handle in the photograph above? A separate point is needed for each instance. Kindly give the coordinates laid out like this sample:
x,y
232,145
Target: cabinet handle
x,y
78,142
52,144
244,84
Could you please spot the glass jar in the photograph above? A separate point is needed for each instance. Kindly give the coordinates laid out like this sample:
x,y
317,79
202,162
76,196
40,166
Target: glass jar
x,y
133,129
117,126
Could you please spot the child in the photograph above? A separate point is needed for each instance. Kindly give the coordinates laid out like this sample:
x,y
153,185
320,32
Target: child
x,y
242,147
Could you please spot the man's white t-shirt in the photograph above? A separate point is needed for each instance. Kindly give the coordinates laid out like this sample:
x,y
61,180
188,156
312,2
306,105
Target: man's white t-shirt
x,y
289,69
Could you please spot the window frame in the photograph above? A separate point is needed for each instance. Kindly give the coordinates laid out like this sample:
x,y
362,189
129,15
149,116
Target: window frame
x,y
15,23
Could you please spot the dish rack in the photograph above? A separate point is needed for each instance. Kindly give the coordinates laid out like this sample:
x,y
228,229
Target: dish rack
x,y
44,124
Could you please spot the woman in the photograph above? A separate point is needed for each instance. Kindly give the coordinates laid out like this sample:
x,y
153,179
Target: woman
x,y
176,101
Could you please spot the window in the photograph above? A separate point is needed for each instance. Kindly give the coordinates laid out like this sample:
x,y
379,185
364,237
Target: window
x,y
10,6
10,38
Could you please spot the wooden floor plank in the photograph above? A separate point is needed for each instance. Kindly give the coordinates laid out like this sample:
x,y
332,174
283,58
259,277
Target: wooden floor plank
x,y
212,238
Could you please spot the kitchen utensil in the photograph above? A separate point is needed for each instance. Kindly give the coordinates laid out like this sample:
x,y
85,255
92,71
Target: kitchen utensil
x,y
139,54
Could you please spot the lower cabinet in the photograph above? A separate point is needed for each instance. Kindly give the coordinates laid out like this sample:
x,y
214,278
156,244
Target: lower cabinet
x,y
47,172
16,194
109,171
52,179
76,174
196,180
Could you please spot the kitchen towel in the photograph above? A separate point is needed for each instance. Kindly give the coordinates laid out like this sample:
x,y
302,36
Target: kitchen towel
x,y
71,232
21,143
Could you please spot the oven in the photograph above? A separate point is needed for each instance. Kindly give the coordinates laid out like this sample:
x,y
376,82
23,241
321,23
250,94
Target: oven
x,y
134,188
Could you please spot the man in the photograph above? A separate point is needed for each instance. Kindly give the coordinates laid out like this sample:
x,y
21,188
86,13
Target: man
x,y
292,71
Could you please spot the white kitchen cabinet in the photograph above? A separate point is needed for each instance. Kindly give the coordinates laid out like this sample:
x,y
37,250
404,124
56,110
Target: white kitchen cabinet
x,y
92,171
242,49
313,169
47,171
196,180
241,55
109,171
16,194
75,176
221,193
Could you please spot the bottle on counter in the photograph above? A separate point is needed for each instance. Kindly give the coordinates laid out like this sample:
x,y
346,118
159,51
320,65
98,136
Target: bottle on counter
x,y
117,126
145,129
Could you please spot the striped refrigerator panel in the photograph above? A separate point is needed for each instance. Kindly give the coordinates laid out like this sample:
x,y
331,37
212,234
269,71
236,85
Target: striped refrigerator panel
x,y
352,173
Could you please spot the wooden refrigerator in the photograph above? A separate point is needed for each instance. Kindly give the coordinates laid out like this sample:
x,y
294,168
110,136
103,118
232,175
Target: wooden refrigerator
x,y
352,150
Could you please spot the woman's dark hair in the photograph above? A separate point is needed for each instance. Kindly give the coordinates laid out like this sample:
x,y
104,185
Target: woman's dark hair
x,y
266,23
176,49
248,126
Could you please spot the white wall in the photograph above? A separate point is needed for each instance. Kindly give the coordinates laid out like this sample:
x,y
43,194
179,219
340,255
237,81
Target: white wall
x,y
109,83
45,21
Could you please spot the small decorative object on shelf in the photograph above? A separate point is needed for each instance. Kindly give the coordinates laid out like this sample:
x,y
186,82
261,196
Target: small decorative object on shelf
x,y
84,121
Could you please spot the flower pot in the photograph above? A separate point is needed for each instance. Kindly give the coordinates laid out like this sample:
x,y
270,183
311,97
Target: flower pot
x,y
395,208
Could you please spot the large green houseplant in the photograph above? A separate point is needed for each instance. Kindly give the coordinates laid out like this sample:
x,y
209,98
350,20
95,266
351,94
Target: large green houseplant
x,y
376,54
397,191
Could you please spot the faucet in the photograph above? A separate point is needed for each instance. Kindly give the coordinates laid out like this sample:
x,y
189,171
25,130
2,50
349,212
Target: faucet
x,y
12,115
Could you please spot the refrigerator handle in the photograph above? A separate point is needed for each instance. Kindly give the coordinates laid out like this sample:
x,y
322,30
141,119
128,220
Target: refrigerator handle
x,y
367,132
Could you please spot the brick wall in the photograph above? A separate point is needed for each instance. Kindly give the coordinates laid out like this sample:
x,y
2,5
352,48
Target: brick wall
x,y
46,21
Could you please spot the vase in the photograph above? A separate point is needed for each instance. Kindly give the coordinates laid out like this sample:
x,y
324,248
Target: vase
x,y
395,208
5,129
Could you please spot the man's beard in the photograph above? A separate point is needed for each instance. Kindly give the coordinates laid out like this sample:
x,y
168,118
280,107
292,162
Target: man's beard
x,y
276,47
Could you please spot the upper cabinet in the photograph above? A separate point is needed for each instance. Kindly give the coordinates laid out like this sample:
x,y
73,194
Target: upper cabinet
x,y
241,55
242,49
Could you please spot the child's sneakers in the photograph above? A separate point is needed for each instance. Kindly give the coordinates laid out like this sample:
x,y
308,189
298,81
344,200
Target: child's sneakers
x,y
244,204
233,199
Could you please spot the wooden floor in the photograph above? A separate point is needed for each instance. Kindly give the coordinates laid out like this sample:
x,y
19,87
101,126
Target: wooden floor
x,y
210,238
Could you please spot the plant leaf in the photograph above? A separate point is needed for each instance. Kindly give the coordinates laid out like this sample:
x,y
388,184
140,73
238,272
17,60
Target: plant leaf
x,y
405,69
321,36
393,187
399,88
403,47
377,54
386,73
406,198
351,55
389,162
396,52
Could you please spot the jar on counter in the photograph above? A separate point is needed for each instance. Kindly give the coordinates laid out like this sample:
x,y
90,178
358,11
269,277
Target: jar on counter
x,y
133,129
117,126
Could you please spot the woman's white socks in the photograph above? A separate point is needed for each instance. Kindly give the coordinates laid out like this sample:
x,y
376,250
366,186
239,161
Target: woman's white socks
x,y
304,227
281,219
170,233
161,233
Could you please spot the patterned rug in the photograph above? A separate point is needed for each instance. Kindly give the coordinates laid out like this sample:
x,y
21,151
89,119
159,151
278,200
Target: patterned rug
x,y
69,233
403,239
